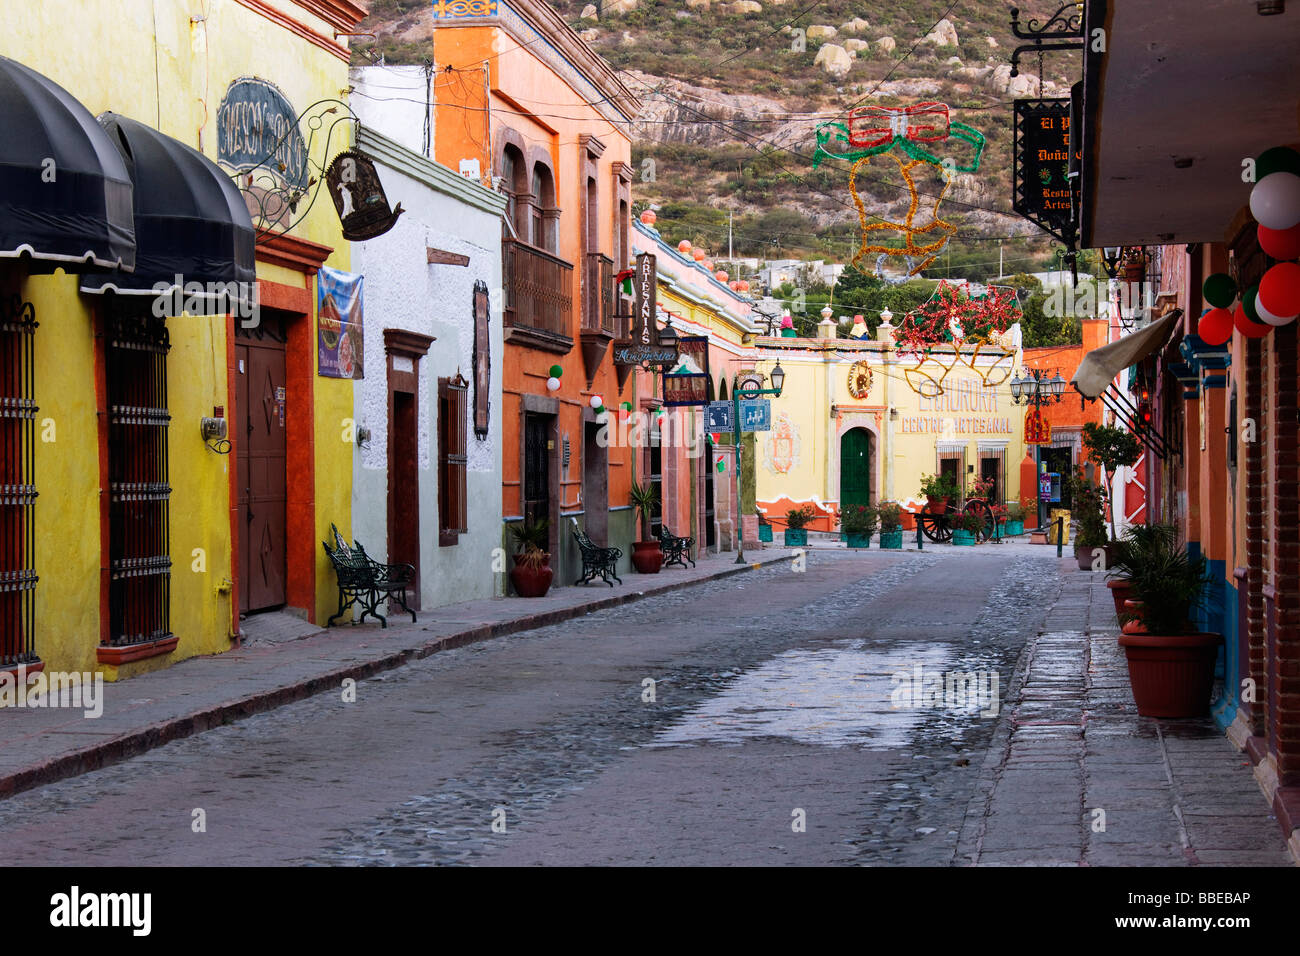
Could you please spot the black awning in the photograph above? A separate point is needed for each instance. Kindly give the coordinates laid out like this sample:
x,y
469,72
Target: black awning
x,y
65,194
190,221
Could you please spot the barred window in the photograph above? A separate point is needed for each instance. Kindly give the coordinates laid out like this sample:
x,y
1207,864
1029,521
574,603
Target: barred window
x,y
17,484
139,600
452,416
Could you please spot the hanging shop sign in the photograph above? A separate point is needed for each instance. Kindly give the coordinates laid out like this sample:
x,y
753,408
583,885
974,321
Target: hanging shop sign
x,y
340,324
359,197
755,415
257,128
482,359
859,380
688,383
644,347
1037,430
1044,151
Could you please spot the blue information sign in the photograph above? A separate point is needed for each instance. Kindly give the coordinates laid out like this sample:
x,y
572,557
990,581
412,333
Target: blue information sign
x,y
719,416
755,415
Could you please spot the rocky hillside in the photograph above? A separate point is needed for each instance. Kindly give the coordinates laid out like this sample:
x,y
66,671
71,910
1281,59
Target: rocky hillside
x,y
735,90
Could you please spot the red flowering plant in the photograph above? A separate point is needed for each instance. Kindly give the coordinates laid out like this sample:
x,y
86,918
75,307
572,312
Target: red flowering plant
x,y
980,487
858,519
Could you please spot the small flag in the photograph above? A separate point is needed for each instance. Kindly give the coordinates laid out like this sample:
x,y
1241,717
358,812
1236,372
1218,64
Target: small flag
x,y
624,280
722,465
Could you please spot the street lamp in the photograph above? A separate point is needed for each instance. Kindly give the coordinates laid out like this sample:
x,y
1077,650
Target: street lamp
x,y
737,393
1034,389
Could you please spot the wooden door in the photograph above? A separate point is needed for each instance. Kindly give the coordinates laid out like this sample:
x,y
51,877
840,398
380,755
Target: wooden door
x,y
404,488
537,467
259,418
855,468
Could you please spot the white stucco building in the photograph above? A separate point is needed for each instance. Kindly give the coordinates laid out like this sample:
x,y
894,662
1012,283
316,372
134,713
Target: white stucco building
x,y
427,483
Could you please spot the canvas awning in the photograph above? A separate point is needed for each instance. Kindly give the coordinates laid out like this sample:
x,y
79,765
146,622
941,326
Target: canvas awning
x,y
1100,366
190,221
65,193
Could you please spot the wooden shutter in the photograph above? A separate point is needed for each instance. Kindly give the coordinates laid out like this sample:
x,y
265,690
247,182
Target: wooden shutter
x,y
452,416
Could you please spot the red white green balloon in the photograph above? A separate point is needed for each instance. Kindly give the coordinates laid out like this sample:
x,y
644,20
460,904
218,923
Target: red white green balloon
x,y
1279,290
1280,243
1248,303
556,371
1243,324
1279,159
1266,316
1275,200
552,384
1215,326
1219,290
597,401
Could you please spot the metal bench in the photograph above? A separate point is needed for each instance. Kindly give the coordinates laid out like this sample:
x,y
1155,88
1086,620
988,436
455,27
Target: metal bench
x,y
364,581
597,560
676,550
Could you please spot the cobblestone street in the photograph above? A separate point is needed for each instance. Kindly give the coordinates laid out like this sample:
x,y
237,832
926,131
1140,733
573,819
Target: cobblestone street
x,y
776,734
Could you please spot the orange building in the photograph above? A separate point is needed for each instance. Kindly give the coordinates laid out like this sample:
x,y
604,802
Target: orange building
x,y
522,102
1067,418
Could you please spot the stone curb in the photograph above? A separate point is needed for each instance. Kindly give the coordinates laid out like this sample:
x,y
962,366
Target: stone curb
x,y
132,744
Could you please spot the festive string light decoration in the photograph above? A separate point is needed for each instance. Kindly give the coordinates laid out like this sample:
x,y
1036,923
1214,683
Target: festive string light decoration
x,y
950,317
873,130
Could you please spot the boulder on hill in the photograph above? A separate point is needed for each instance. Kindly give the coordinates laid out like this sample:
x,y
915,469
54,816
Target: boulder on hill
x,y
834,59
943,34
821,32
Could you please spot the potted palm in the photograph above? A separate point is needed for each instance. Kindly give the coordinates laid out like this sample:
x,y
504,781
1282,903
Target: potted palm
x,y
647,555
1170,663
858,522
797,521
939,490
1127,557
531,574
966,532
891,529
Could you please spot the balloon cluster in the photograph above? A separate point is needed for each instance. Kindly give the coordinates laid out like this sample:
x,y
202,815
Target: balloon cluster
x,y
1275,300
553,383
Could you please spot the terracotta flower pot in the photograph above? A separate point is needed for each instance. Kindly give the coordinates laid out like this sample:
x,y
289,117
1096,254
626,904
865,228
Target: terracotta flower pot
x,y
1171,675
1131,617
936,506
647,557
1121,589
529,581
1084,556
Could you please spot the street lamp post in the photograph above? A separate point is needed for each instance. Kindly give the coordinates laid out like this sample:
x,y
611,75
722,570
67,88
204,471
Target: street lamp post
x,y
737,393
1033,389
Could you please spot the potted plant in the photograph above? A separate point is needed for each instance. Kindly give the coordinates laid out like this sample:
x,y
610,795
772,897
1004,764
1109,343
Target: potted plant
x,y
1126,557
891,529
1015,519
980,489
1112,448
966,532
1170,663
1089,507
531,574
939,490
999,513
647,555
858,523
797,521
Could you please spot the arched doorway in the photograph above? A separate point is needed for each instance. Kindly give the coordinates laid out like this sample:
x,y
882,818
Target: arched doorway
x,y
855,468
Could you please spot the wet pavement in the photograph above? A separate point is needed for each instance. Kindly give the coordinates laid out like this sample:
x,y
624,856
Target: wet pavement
x,y
863,711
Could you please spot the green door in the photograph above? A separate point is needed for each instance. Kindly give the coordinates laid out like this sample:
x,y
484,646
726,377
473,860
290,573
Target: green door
x,y
855,468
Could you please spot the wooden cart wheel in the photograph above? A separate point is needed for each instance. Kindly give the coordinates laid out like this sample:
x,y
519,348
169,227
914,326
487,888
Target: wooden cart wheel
x,y
982,510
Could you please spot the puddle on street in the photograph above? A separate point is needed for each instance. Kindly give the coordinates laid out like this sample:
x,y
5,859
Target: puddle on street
x,y
849,695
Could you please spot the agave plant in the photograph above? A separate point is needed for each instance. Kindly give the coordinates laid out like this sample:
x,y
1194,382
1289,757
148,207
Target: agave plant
x,y
1166,579
532,538
1138,541
644,498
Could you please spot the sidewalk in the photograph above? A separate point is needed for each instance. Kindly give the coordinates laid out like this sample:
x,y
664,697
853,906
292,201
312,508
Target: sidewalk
x,y
42,745
1076,778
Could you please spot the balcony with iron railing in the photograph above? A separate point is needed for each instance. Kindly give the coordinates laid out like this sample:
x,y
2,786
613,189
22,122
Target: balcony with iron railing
x,y
538,299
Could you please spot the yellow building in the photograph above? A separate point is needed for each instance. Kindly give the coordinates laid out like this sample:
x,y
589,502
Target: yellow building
x,y
147,535
859,421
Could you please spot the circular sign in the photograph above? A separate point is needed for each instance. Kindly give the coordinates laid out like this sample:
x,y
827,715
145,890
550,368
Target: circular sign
x,y
749,381
859,379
